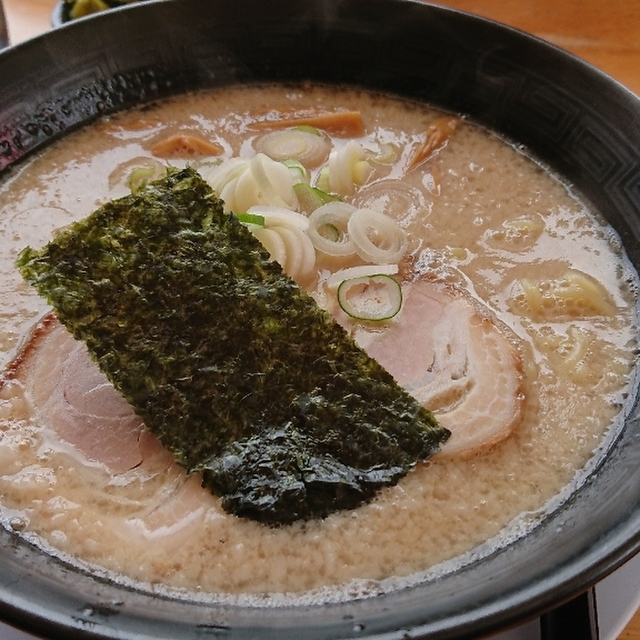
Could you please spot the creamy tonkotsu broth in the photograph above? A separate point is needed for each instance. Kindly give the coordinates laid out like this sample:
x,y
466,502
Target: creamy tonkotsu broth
x,y
487,228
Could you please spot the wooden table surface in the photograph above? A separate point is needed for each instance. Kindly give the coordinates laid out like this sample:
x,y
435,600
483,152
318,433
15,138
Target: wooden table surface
x,y
605,33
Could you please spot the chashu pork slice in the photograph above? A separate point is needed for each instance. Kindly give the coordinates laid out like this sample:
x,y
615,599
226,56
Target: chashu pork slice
x,y
75,400
455,358
82,411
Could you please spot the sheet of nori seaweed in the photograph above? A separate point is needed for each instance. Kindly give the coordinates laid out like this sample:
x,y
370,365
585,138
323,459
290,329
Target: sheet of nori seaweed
x,y
229,363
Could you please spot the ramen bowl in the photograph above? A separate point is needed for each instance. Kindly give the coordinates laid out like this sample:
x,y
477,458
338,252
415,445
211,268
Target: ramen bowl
x,y
569,116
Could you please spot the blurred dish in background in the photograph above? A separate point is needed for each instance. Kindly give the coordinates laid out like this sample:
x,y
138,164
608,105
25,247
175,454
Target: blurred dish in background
x,y
67,10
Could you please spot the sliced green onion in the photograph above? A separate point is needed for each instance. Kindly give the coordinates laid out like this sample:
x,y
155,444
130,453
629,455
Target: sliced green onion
x,y
218,175
223,179
251,218
136,173
307,147
139,178
388,153
333,216
284,236
243,192
322,181
330,232
372,298
377,238
310,198
309,129
298,171
278,216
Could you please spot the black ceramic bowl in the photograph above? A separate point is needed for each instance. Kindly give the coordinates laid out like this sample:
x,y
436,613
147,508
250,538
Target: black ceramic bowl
x,y
570,116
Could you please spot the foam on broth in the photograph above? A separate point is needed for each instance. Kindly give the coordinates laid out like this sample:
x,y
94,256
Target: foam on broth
x,y
481,215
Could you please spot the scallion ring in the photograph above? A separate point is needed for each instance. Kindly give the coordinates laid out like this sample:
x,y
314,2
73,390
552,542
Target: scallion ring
x,y
328,229
136,173
310,148
376,237
372,298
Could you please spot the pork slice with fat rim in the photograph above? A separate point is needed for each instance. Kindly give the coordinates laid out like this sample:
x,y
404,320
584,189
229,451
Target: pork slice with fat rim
x,y
457,360
75,400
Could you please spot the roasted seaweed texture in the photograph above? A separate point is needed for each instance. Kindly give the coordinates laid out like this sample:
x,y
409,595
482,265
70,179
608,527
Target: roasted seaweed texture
x,y
229,363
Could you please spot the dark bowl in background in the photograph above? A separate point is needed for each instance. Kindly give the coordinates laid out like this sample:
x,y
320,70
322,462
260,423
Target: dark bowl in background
x,y
568,115
62,10
60,14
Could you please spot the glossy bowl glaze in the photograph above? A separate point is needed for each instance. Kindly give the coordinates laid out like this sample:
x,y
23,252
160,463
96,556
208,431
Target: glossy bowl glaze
x,y
573,118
